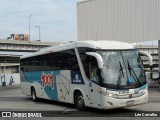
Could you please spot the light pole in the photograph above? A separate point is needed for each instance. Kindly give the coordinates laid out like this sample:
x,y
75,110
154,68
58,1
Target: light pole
x,y
29,25
39,32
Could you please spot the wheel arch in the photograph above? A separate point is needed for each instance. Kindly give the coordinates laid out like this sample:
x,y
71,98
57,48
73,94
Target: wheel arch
x,y
76,90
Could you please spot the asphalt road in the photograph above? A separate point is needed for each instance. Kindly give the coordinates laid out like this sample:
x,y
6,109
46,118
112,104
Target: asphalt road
x,y
11,99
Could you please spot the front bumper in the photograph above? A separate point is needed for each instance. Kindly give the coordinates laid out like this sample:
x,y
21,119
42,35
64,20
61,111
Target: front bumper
x,y
111,103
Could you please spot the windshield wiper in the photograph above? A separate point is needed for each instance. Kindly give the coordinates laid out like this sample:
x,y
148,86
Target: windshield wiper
x,y
134,74
121,68
120,75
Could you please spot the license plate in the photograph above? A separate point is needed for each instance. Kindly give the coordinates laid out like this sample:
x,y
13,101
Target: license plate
x,y
130,102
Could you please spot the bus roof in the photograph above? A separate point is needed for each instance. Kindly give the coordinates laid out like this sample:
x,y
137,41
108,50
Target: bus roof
x,y
107,45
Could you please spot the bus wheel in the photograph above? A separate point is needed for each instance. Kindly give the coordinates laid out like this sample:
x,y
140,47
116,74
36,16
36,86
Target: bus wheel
x,y
33,94
79,101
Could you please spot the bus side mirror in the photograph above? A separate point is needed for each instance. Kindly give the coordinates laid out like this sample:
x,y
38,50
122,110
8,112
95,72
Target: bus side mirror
x,y
150,59
98,58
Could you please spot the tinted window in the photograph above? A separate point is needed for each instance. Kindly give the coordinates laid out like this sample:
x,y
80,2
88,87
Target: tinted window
x,y
64,60
89,64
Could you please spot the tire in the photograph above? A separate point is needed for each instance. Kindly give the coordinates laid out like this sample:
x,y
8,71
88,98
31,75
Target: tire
x,y
79,101
33,94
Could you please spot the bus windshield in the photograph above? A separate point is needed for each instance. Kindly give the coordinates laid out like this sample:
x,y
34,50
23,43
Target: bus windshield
x,y
122,69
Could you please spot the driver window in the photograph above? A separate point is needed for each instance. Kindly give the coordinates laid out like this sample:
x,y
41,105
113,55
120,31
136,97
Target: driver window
x,y
90,67
93,69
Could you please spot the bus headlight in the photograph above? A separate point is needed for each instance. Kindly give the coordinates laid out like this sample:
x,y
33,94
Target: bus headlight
x,y
110,95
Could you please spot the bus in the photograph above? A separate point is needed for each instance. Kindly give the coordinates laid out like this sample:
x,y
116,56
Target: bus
x,y
98,74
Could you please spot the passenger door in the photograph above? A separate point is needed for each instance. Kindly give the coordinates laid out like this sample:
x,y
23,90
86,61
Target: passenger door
x,y
94,88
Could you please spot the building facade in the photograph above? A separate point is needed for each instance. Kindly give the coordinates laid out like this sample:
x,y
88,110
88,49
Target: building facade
x,y
123,20
10,53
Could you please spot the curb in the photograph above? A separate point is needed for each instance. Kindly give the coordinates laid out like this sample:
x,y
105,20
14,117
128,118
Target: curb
x,y
10,87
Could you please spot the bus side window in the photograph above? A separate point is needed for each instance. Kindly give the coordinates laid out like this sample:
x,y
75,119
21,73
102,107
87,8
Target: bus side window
x,y
85,62
93,69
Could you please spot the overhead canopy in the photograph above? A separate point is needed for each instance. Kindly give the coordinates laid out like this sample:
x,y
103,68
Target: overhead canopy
x,y
7,58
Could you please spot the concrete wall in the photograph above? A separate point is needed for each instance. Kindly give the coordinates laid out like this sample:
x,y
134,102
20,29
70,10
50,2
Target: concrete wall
x,y
122,20
21,46
7,78
9,69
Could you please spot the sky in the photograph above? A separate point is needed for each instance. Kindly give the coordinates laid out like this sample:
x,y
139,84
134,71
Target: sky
x,y
57,19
